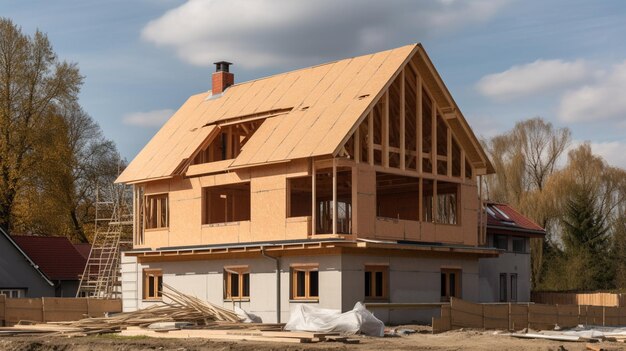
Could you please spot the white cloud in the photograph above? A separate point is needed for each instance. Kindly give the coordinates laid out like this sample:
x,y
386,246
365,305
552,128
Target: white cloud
x,y
266,33
154,118
613,152
533,78
602,100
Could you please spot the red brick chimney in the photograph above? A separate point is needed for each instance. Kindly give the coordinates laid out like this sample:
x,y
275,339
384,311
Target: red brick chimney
x,y
222,79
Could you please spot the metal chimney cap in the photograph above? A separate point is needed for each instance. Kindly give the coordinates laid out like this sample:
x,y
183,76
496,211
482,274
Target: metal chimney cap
x,y
222,66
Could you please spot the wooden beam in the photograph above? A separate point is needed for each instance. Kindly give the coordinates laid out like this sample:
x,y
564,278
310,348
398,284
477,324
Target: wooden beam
x,y
386,131
418,125
370,138
357,145
313,198
334,196
449,153
402,122
433,137
463,165
435,204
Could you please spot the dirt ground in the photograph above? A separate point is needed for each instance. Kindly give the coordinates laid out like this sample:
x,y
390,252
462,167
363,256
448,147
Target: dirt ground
x,y
453,340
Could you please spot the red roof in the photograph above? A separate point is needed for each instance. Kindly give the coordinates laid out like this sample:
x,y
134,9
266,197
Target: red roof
x,y
56,257
84,249
505,217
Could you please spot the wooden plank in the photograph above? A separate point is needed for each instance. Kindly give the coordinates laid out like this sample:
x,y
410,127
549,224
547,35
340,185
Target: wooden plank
x,y
611,316
402,122
542,317
595,315
207,334
567,315
98,307
56,309
496,316
2,309
518,316
466,314
23,309
443,323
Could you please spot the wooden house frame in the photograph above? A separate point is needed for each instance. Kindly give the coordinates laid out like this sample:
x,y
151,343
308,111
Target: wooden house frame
x,y
364,156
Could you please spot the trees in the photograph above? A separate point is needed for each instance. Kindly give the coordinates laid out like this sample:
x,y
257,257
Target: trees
x,y
52,153
32,83
524,159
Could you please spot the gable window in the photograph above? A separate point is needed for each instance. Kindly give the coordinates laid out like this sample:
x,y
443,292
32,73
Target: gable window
x,y
157,211
450,284
236,283
305,282
376,282
229,142
152,284
226,203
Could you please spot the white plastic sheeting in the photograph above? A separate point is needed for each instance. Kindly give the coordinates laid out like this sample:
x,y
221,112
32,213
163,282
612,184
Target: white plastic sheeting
x,y
311,318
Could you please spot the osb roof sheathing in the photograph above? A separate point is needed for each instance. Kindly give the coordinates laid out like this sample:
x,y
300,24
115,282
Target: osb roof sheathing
x,y
324,104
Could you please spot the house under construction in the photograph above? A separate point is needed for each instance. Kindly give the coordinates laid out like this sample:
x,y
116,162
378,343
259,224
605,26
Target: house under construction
x,y
355,180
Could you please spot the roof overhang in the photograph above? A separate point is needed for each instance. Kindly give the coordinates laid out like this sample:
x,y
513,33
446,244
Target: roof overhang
x,y
307,247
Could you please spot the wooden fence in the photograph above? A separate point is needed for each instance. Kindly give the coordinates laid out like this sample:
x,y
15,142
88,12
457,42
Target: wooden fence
x,y
54,309
511,316
591,299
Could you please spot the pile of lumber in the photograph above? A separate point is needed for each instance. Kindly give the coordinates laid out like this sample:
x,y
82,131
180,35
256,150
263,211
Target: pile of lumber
x,y
239,335
182,308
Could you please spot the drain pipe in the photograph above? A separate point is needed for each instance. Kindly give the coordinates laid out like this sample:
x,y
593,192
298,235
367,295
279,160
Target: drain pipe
x,y
277,260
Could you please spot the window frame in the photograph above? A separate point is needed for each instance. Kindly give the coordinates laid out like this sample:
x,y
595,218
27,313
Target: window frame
x,y
10,292
519,239
458,291
229,202
147,219
157,273
503,293
241,272
372,269
513,286
506,237
307,269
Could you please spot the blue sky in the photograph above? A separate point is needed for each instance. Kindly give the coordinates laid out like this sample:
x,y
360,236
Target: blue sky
x,y
503,61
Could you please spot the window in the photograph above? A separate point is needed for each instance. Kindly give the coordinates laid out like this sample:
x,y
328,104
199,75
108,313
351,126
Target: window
x,y
226,203
236,283
519,244
501,242
13,293
300,197
514,287
503,287
152,284
447,199
376,282
304,282
397,196
450,284
157,211
324,201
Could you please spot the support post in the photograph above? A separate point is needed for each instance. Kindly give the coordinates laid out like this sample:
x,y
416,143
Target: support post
x,y
402,123
334,196
357,145
313,199
449,153
419,133
370,138
386,131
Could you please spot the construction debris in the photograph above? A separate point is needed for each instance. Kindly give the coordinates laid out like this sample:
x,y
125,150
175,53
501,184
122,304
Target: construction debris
x,y
184,316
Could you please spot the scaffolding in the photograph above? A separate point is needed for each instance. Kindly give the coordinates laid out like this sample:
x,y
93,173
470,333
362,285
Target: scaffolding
x,y
113,234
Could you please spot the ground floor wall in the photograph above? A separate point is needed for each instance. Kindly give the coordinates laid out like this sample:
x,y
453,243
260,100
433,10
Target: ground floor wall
x,y
508,266
341,282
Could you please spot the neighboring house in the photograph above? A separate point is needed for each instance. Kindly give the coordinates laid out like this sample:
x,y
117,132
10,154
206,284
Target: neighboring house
x,y
350,181
507,277
58,260
19,275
